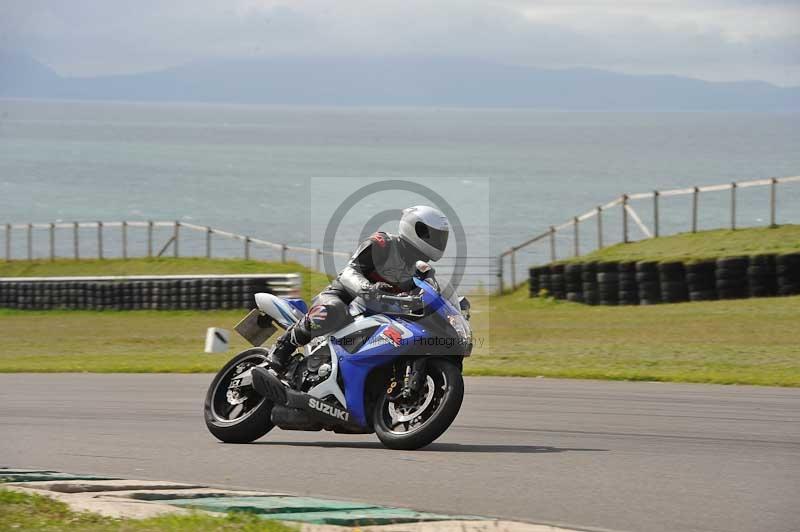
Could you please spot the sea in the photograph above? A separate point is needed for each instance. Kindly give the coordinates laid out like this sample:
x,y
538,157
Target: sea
x,y
292,175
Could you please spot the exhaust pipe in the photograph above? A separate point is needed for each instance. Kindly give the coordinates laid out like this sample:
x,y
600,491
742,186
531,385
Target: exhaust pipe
x,y
268,385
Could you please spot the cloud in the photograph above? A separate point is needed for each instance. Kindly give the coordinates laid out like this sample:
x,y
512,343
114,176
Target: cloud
x,y
713,39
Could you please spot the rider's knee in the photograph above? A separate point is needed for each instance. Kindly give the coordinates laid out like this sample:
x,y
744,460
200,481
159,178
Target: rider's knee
x,y
326,315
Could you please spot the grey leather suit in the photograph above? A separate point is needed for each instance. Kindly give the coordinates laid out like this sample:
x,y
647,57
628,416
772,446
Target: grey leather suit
x,y
382,258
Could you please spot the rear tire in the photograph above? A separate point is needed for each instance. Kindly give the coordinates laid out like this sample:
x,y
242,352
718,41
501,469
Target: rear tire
x,y
446,375
252,424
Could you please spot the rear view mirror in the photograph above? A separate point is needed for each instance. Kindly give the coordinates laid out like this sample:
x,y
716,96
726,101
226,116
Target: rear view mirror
x,y
464,304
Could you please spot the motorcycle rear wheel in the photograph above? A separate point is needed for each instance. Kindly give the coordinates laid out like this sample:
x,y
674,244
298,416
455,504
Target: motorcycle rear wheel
x,y
237,423
415,423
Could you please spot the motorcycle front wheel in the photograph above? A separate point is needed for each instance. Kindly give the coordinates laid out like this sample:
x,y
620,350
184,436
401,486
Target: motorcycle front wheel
x,y
415,422
237,415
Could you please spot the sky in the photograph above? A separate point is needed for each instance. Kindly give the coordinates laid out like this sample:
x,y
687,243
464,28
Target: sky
x,y
718,40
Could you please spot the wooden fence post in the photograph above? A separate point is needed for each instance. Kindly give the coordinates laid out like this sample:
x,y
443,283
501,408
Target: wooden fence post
x,y
76,240
247,248
552,243
208,242
500,266
513,263
176,233
575,223
624,218
317,259
772,202
8,241
30,241
52,241
149,238
599,227
283,253
124,240
733,206
99,240
695,194
655,214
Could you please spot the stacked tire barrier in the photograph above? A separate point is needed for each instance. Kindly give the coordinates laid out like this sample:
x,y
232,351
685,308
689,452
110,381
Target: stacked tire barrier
x,y
544,282
731,275
557,283
701,280
628,289
535,277
573,280
652,282
589,283
143,293
788,274
762,278
608,283
672,276
647,283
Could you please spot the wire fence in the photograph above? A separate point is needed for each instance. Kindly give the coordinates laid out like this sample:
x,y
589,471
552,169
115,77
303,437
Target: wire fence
x,y
615,221
130,239
127,239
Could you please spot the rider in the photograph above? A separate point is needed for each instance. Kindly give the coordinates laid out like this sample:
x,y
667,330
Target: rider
x,y
384,263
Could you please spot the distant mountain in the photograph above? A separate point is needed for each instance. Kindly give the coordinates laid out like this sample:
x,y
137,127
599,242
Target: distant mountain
x,y
21,75
411,81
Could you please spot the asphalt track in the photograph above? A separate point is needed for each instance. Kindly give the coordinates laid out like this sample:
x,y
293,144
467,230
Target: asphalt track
x,y
607,455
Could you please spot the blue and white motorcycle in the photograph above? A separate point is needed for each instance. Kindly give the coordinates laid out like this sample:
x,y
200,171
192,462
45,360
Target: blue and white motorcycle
x,y
394,370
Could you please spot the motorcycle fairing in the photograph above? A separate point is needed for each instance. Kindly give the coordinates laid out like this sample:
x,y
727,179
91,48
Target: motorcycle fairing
x,y
378,351
392,338
282,311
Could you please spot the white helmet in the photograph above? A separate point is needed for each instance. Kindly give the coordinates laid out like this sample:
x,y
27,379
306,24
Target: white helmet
x,y
426,229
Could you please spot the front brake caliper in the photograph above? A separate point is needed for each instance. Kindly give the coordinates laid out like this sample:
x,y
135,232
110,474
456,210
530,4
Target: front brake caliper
x,y
413,379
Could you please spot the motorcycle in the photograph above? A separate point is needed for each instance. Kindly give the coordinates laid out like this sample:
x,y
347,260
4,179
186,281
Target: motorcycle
x,y
395,369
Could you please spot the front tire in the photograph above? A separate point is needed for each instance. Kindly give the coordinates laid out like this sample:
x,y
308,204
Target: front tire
x,y
237,422
428,415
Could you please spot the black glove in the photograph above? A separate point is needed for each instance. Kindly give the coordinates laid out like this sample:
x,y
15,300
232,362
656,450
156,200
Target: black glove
x,y
375,290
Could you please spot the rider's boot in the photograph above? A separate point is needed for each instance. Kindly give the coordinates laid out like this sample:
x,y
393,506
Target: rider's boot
x,y
285,346
280,354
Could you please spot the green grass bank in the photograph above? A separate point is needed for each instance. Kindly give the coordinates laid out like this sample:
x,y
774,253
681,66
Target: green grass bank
x,y
753,341
21,511
703,245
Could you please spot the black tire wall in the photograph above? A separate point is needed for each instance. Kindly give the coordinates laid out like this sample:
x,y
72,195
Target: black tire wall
x,y
762,276
788,274
731,277
557,282
652,282
589,283
608,283
628,287
701,280
647,281
573,279
672,277
158,294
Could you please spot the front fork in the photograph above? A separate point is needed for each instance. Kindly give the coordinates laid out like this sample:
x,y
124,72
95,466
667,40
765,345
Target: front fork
x,y
408,377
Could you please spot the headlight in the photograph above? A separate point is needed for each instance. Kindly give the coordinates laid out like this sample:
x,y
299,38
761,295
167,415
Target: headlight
x,y
461,326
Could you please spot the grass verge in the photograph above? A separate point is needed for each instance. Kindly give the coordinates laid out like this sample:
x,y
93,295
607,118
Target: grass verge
x,y
751,341
21,511
748,341
704,245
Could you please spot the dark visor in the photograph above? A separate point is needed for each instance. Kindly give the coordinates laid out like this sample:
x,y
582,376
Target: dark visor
x,y
435,237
